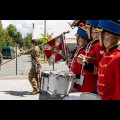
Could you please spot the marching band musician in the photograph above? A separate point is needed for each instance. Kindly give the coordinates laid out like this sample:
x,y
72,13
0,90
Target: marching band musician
x,y
89,71
82,40
96,55
97,52
109,67
76,23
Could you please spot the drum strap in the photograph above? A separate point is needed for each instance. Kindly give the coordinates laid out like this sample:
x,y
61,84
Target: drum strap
x,y
69,87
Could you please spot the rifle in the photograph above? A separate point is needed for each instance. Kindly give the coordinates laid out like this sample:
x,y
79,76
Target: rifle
x,y
35,65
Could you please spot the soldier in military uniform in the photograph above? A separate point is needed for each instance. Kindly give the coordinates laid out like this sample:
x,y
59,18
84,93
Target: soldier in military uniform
x,y
34,74
82,40
109,67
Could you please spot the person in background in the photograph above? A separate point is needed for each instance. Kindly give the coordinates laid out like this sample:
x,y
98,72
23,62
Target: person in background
x,y
34,74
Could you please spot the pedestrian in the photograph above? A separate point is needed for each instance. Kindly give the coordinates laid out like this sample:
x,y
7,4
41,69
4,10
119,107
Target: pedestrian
x,y
34,74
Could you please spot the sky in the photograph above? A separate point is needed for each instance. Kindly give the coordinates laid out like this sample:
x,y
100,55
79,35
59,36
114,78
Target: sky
x,y
55,26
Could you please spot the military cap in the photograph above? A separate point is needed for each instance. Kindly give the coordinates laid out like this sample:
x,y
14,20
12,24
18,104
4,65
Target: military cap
x,y
112,26
93,23
82,32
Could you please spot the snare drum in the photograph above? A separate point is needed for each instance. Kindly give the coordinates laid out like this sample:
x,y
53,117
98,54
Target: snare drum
x,y
45,80
60,82
81,96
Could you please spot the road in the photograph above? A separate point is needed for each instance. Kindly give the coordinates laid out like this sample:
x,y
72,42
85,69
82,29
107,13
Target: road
x,y
23,66
17,87
9,68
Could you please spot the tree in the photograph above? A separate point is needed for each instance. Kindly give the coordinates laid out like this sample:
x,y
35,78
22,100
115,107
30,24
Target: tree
x,y
12,31
8,35
0,34
19,39
6,39
16,36
27,41
45,38
0,27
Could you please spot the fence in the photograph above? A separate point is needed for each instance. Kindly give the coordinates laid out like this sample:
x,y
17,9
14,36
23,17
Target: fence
x,y
8,70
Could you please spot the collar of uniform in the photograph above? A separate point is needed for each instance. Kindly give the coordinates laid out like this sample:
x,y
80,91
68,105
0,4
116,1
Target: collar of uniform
x,y
113,46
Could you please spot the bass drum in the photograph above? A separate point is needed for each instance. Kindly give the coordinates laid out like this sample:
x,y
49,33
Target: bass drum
x,y
60,82
81,96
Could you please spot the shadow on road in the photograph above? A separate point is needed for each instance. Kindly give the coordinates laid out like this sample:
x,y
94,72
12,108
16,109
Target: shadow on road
x,y
17,93
47,96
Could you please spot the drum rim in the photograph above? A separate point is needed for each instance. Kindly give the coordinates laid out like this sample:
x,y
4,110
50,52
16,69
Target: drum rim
x,y
45,71
84,93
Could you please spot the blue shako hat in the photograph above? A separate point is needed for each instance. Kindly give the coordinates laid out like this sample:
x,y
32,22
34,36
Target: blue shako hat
x,y
81,32
93,23
110,26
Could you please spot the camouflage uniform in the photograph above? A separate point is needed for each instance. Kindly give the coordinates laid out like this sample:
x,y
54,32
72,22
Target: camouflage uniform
x,y
34,78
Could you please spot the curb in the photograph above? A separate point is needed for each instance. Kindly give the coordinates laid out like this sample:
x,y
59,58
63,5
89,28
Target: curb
x,y
14,77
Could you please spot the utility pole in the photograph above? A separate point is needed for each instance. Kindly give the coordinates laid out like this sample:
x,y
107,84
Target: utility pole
x,y
16,58
16,41
45,28
44,32
33,25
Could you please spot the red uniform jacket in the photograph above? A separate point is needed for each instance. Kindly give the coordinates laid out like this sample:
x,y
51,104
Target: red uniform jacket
x,y
97,54
75,66
90,79
109,75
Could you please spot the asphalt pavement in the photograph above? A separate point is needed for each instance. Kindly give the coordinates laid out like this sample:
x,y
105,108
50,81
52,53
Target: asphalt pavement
x,y
17,87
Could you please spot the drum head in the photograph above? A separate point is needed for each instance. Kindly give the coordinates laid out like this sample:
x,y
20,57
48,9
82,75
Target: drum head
x,y
81,96
57,72
46,72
